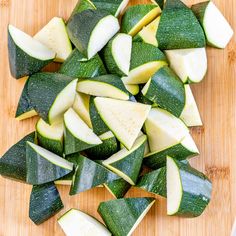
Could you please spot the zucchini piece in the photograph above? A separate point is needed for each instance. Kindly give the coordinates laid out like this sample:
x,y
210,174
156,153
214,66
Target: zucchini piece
x,y
50,137
44,166
76,66
104,86
159,2
45,202
124,118
89,174
122,216
91,30
26,55
78,136
102,151
51,94
13,162
117,54
190,114
142,99
75,222
127,163
163,129
54,36
167,90
145,61
132,88
217,29
136,17
189,64
179,28
188,190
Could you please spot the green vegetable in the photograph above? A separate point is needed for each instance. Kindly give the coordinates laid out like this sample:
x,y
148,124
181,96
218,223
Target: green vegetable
x,y
159,2
142,99
132,88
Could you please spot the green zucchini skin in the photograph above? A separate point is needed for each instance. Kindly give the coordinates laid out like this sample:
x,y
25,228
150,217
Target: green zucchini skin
x,y
45,202
13,162
89,174
167,91
160,3
76,67
179,28
120,215
142,99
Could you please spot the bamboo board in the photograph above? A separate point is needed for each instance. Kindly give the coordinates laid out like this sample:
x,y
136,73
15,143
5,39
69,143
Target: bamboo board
x,y
216,97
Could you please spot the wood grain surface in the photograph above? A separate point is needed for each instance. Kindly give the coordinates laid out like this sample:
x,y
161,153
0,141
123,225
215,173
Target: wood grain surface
x,y
216,97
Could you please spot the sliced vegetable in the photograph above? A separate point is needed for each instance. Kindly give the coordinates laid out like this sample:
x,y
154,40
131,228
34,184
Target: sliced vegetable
x,y
122,216
124,118
26,55
90,30
142,99
159,2
188,190
132,88
75,222
45,202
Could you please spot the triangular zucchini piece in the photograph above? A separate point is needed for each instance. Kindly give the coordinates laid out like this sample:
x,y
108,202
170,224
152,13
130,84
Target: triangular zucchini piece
x,y
26,54
75,222
89,174
122,216
51,94
127,163
44,166
45,202
132,88
78,136
13,162
124,118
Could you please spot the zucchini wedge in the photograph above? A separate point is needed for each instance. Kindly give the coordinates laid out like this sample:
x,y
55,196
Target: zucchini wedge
x,y
26,54
127,163
90,174
179,28
76,66
132,88
117,54
54,36
75,222
142,99
167,90
78,136
159,2
45,202
136,17
51,94
124,118
44,166
188,190
13,162
122,216
104,86
189,64
217,29
91,30
146,59
50,137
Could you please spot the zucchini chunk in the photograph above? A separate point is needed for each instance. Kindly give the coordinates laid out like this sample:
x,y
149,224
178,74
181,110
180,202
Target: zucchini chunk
x,y
124,118
26,54
78,136
188,190
117,54
13,162
217,29
51,94
44,166
91,30
45,202
167,90
122,216
75,222
104,86
132,88
136,17
179,28
189,64
159,2
127,163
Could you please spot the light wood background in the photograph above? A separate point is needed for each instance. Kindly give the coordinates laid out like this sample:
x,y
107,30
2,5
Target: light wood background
x,y
216,97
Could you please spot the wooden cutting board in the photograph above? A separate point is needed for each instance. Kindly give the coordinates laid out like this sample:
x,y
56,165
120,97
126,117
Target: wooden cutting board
x,y
216,97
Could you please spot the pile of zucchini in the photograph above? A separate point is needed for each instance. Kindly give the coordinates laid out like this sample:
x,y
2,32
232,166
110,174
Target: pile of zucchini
x,y
117,113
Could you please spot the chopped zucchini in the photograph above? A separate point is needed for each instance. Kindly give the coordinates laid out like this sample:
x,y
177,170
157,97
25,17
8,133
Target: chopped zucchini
x,y
132,88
